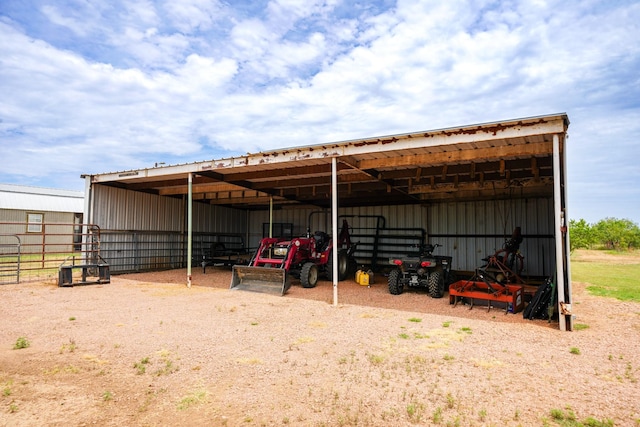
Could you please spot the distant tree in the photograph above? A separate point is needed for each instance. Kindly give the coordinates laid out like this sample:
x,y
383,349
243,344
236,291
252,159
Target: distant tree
x,y
618,234
581,235
634,237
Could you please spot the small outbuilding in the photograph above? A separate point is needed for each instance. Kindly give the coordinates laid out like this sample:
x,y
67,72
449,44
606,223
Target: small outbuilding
x,y
32,212
465,188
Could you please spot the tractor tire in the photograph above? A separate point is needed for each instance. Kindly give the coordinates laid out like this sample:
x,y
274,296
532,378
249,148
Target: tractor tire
x,y
353,267
395,287
309,275
343,266
436,283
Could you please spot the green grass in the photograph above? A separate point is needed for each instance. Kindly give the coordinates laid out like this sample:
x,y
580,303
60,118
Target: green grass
x,y
567,418
195,397
21,343
48,257
620,281
37,265
141,366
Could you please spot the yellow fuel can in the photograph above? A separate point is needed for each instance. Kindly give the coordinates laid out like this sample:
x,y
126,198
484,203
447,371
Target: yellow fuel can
x,y
364,278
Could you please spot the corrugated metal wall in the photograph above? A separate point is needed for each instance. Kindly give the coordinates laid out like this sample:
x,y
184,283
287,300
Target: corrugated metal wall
x,y
299,218
474,230
141,231
366,217
468,231
118,209
217,219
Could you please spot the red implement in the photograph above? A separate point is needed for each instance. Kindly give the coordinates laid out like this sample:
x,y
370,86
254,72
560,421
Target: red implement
x,y
511,296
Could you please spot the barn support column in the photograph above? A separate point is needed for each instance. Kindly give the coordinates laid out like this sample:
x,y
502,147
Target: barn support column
x,y
271,216
334,225
562,259
189,227
567,237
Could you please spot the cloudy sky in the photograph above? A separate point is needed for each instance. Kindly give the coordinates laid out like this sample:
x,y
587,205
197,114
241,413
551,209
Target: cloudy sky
x,y
93,86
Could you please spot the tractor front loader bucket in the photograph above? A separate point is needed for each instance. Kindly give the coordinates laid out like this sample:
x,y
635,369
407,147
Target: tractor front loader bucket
x,y
260,279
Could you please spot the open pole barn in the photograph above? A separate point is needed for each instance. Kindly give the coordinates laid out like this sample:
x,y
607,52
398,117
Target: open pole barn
x,y
465,188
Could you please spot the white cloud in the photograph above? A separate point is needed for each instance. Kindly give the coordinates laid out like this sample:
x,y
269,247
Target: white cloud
x,y
67,20
285,12
142,13
62,97
130,82
150,49
252,38
190,15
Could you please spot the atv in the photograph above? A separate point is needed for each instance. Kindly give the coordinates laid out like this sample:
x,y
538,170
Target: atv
x,y
421,269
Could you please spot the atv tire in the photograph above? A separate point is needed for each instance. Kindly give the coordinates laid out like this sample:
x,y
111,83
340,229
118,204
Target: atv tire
x,y
395,287
436,283
309,275
343,266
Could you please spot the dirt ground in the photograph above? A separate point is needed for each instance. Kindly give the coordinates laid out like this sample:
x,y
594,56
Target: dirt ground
x,y
145,350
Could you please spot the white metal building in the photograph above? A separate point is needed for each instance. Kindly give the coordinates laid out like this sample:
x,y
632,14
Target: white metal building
x,y
466,188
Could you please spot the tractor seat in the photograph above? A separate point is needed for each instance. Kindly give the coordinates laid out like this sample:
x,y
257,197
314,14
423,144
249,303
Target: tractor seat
x,y
322,240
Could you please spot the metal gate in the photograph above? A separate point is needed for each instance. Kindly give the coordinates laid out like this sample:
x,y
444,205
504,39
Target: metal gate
x,y
28,254
9,259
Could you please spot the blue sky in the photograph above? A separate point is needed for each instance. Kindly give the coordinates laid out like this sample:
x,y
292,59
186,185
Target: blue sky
x,y
88,86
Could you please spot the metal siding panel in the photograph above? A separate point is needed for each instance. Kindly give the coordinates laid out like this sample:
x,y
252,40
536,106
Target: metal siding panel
x,y
404,216
217,219
118,209
493,218
12,215
394,220
456,223
57,231
482,218
201,218
545,223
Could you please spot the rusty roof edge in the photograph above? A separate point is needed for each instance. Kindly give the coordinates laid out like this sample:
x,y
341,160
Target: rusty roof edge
x,y
323,150
447,130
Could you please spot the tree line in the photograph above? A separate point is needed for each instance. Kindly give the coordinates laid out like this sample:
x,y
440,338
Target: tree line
x,y
608,233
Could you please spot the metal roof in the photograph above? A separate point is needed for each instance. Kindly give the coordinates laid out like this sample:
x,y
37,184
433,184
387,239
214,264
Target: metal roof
x,y
512,158
21,197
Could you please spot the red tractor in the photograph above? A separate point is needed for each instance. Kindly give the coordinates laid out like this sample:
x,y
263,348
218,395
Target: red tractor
x,y
304,258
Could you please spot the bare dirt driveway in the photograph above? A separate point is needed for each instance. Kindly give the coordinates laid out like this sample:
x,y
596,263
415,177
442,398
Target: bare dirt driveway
x,y
145,350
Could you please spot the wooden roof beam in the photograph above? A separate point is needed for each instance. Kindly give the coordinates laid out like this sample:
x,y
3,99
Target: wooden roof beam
x,y
460,156
351,162
545,182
